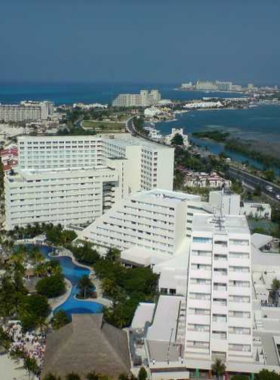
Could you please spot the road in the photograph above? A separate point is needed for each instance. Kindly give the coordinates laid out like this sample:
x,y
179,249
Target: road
x,y
248,179
254,182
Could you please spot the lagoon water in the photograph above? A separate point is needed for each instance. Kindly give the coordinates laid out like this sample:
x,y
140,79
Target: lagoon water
x,y
261,122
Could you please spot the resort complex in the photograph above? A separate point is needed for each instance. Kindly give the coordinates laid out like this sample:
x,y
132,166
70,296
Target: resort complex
x,y
144,99
107,272
26,111
74,180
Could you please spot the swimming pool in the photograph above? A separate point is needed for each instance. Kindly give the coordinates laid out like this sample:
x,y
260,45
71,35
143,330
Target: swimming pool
x,y
73,273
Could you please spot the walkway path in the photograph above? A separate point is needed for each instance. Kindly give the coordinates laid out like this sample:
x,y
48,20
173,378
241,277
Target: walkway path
x,y
56,302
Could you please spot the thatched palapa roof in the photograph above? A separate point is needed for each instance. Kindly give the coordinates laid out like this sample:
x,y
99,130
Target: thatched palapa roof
x,y
87,344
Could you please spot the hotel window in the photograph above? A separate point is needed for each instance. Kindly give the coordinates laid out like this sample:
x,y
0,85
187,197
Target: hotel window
x,y
239,242
202,240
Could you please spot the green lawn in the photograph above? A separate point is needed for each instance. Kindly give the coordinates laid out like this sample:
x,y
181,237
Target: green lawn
x,y
104,126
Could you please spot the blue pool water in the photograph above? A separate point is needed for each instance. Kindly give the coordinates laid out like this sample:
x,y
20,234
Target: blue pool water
x,y
73,273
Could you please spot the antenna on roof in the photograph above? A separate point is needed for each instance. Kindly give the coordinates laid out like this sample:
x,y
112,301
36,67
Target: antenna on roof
x,y
222,195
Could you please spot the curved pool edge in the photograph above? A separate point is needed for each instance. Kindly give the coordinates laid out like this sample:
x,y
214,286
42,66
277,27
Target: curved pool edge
x,y
65,296
69,303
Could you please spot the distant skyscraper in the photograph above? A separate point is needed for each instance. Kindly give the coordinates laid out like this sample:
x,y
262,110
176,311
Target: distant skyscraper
x,y
26,111
144,99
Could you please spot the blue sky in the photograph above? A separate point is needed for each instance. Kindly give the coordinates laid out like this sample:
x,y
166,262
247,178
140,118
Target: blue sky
x,y
158,41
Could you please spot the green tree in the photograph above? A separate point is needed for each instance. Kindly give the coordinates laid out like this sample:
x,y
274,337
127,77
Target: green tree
x,y
265,374
60,319
86,286
275,287
124,376
109,287
142,375
219,368
7,304
92,376
33,309
52,286
179,179
73,376
5,341
113,254
269,175
240,377
51,376
31,366
177,140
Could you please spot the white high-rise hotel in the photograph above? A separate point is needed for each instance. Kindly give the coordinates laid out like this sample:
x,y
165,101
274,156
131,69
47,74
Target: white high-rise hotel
x,y
144,99
26,111
202,258
73,180
219,318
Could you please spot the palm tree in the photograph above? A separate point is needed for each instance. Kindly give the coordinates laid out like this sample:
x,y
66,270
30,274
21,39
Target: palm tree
x,y
42,325
108,287
60,319
275,287
31,366
51,376
73,376
85,286
92,376
5,341
17,355
219,368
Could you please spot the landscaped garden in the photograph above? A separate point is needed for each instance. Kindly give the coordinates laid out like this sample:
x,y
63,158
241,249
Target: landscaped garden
x,y
40,289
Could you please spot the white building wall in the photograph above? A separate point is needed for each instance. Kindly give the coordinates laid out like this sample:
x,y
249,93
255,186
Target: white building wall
x,y
219,301
227,202
25,111
154,220
122,166
74,197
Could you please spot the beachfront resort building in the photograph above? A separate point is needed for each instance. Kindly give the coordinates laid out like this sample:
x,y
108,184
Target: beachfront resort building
x,y
180,132
205,180
225,308
213,86
26,111
154,221
144,99
74,180
219,299
205,259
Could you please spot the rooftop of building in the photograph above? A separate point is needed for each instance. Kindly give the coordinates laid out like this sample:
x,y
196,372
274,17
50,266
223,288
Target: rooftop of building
x,y
140,256
143,315
58,138
217,223
87,344
164,327
128,140
17,174
166,195
259,240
